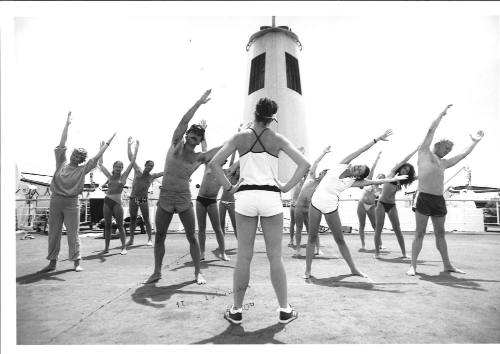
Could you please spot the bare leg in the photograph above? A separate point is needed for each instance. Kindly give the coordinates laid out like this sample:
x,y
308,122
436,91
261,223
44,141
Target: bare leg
x,y
241,276
292,225
394,218
439,231
188,221
379,225
118,213
214,219
314,221
222,217
145,216
201,215
299,221
362,221
333,221
421,225
132,209
108,219
162,221
272,228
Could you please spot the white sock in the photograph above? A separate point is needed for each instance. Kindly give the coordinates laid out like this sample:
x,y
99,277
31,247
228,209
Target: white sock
x,y
288,309
233,310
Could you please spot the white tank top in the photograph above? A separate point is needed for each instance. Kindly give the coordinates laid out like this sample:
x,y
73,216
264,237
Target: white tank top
x,y
332,185
258,168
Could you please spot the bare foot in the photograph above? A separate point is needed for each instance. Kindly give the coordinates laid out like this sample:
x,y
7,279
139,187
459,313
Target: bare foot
x,y
153,278
452,269
411,272
199,279
49,268
224,257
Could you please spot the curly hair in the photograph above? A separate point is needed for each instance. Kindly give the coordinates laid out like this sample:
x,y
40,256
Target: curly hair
x,y
411,176
443,142
81,153
198,130
265,109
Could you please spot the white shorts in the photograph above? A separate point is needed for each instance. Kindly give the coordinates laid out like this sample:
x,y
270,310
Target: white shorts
x,y
258,203
324,202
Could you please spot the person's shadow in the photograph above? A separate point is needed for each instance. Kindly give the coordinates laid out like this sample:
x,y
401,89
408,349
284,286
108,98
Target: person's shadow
x,y
334,282
403,260
448,279
37,276
236,334
154,296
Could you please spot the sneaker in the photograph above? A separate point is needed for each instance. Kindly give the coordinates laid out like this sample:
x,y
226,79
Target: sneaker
x,y
123,252
287,317
234,317
150,243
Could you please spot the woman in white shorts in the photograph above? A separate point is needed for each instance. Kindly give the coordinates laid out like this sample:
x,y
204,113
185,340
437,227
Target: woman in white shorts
x,y
325,201
258,195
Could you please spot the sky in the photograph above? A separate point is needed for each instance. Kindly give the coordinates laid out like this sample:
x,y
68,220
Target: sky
x,y
135,69
137,73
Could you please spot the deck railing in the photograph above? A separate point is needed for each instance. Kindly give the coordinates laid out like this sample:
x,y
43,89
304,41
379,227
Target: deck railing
x,y
463,215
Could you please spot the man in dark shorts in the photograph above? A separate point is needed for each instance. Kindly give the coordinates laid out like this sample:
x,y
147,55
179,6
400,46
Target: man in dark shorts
x,y
430,201
139,195
175,194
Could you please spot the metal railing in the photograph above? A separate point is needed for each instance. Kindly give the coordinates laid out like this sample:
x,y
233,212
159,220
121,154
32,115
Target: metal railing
x,y
34,213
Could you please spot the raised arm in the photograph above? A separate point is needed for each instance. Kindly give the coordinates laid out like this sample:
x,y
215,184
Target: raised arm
x,y
314,166
358,152
64,135
372,170
137,169
103,169
432,130
183,124
104,146
405,160
302,164
132,162
367,182
454,160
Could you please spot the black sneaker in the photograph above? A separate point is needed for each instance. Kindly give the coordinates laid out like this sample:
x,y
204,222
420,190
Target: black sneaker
x,y
287,317
234,318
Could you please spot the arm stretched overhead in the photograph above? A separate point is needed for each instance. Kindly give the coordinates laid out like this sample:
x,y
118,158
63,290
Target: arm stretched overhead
x,y
454,160
358,152
183,124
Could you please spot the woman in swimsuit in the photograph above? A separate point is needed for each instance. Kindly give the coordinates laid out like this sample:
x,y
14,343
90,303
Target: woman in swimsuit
x,y
387,203
113,200
366,205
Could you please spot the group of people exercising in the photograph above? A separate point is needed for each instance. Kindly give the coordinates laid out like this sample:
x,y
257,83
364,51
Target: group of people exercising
x,y
251,192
